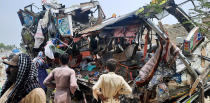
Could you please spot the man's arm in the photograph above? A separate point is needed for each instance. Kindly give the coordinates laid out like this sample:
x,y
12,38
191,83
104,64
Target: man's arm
x,y
48,81
96,88
126,89
73,82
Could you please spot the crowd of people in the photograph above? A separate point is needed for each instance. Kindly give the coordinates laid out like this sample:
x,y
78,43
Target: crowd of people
x,y
28,81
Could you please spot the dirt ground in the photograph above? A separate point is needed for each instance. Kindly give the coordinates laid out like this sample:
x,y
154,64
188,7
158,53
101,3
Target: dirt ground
x,y
177,30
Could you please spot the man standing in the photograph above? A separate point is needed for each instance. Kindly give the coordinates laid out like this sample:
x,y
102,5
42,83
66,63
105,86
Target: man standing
x,y
65,81
110,86
21,85
41,65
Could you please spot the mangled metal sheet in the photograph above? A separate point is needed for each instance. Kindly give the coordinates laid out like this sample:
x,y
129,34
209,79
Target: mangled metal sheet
x,y
106,23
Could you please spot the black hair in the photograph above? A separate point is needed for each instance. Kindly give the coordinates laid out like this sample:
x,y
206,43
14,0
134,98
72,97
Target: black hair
x,y
64,58
111,65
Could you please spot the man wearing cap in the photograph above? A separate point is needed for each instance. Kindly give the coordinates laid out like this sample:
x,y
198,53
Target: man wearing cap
x,y
21,85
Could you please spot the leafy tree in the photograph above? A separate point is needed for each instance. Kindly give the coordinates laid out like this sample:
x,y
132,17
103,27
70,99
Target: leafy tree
x,y
201,12
6,47
2,45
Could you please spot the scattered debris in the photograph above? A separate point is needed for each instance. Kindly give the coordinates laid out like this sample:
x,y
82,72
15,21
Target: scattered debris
x,y
147,57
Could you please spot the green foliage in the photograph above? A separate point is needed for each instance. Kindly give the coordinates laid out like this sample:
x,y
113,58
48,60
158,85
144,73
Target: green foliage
x,y
2,45
154,9
151,9
6,47
201,11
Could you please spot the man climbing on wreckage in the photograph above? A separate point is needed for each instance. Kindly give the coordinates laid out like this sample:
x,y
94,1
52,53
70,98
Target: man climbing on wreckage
x,y
110,86
65,81
21,85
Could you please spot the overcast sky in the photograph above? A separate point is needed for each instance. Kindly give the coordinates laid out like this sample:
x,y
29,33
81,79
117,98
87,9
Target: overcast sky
x,y
10,26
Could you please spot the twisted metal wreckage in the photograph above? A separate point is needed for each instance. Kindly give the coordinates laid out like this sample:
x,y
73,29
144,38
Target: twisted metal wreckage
x,y
146,56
